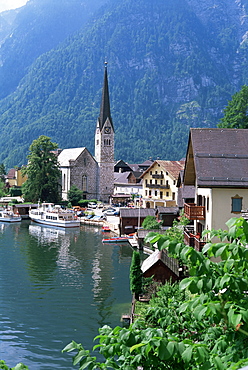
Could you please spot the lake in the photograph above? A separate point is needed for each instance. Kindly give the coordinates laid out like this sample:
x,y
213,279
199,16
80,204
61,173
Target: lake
x,y
57,285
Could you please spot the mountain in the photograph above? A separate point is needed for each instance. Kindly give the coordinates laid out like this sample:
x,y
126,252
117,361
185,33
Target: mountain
x,y
34,29
172,65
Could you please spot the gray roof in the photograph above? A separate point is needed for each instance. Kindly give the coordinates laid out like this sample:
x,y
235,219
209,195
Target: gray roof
x,y
168,210
69,154
220,157
121,177
137,212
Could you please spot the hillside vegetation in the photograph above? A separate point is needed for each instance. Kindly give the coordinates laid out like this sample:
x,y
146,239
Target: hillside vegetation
x,y
172,65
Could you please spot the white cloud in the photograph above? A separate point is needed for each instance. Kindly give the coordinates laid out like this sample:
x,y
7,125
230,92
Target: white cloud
x,y
11,4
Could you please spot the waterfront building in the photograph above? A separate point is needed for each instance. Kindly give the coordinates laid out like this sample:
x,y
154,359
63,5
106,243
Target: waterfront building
x,y
160,183
216,166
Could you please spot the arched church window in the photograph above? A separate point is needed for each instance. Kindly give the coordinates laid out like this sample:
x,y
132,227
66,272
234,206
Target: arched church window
x,y
84,183
63,181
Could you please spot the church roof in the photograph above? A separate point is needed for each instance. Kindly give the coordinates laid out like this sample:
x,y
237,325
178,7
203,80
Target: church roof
x,y
105,103
69,154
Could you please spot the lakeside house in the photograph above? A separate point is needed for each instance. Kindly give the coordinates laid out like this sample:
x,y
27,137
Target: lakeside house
x,y
217,167
160,183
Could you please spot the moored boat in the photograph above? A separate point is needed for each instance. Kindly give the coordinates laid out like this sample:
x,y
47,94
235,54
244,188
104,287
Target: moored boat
x,y
53,215
106,229
116,239
9,216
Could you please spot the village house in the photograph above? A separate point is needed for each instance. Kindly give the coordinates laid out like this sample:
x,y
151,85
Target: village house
x,y
160,183
15,177
127,184
217,166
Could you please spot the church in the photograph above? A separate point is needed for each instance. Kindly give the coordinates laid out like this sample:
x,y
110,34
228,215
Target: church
x,y
94,175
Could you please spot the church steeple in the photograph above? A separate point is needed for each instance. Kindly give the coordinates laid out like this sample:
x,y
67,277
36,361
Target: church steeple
x,y
105,103
104,145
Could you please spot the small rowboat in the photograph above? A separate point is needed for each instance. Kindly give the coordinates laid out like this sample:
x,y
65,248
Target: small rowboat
x,y
120,239
106,229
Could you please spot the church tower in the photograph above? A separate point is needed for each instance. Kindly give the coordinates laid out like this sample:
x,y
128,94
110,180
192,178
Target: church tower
x,y
104,145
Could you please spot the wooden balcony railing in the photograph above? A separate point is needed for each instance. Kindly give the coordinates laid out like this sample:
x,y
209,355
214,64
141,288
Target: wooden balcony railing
x,y
157,186
193,240
194,212
157,176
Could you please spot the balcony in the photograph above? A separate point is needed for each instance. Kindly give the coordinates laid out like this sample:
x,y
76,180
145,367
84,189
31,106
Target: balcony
x,y
157,186
193,240
194,212
158,176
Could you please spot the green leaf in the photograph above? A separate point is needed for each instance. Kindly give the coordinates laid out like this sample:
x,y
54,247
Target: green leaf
x,y
220,251
71,347
206,247
187,354
79,356
183,307
219,364
133,348
224,280
185,283
86,362
164,351
200,311
202,353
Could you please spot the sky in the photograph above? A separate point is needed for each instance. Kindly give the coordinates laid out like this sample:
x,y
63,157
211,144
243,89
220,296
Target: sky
x,y
11,4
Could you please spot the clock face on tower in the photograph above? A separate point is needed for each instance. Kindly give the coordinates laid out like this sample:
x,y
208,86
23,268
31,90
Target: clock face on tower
x,y
107,130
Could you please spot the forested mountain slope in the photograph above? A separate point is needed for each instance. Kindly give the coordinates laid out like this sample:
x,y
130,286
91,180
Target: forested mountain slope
x,y
172,65
29,31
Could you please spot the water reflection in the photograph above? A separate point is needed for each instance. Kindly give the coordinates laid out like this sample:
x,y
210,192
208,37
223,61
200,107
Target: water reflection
x,y
56,286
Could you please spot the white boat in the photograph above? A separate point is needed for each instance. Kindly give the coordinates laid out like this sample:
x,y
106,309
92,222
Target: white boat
x,y
9,216
53,215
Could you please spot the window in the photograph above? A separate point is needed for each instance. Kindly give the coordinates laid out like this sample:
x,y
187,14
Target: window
x,y
150,181
173,196
161,195
156,182
146,182
107,142
63,182
167,193
161,182
236,204
207,204
146,193
84,183
156,193
150,172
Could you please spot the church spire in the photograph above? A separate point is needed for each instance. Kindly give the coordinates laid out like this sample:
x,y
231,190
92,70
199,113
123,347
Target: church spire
x,y
105,103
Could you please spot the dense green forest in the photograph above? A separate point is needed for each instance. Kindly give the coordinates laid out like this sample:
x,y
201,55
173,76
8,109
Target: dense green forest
x,y
172,65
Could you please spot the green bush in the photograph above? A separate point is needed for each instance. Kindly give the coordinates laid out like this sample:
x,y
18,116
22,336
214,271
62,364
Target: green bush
x,y
150,222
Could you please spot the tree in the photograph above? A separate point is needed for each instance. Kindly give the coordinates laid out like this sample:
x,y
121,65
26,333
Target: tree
x,y
236,112
42,171
150,222
2,172
74,195
203,325
136,275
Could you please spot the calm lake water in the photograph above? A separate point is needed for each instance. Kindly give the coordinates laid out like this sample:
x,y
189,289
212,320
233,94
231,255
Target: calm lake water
x,y
56,286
